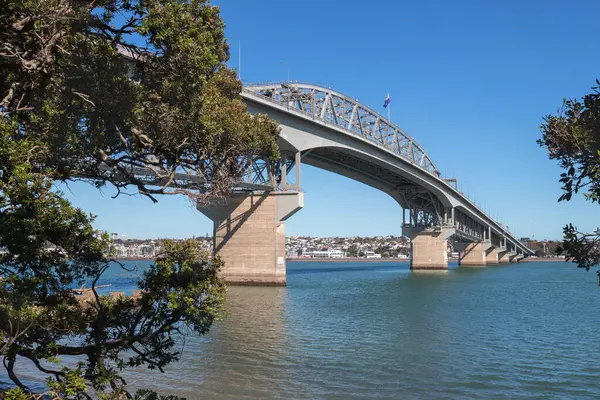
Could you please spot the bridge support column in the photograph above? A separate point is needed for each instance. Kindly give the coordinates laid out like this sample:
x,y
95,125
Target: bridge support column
x,y
491,256
429,249
473,255
249,235
503,257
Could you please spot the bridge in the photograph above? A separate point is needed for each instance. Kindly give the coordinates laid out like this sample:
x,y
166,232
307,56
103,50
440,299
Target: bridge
x,y
328,130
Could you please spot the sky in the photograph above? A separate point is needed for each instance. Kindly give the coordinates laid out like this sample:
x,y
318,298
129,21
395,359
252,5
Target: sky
x,y
470,81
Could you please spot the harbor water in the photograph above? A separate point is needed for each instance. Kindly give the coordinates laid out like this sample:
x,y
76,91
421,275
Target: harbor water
x,y
378,330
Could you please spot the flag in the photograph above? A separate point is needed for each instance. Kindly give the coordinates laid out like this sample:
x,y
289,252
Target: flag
x,y
387,101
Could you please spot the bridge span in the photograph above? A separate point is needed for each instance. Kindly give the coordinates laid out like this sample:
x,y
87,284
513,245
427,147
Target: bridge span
x,y
328,130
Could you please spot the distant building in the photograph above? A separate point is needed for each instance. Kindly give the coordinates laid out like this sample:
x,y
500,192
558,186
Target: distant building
x,y
371,254
332,253
119,250
145,250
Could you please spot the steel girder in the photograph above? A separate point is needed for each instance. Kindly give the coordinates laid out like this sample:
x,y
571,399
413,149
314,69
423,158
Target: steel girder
x,y
260,176
468,228
425,209
344,112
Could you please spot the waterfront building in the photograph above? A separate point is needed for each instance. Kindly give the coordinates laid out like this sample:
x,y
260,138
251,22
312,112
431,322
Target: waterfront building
x,y
334,253
331,253
145,250
119,250
371,254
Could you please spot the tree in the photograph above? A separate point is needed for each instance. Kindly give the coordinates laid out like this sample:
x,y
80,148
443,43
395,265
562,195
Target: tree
x,y
52,248
352,251
572,137
540,253
90,89
108,85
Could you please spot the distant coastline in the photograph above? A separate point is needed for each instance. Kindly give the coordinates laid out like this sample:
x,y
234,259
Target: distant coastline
x,y
360,259
356,259
346,259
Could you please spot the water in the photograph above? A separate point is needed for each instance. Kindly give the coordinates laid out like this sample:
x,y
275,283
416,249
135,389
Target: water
x,y
376,330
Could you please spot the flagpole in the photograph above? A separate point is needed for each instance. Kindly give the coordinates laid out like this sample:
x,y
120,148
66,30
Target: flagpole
x,y
389,107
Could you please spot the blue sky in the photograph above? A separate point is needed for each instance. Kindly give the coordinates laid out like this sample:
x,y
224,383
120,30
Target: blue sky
x,y
469,80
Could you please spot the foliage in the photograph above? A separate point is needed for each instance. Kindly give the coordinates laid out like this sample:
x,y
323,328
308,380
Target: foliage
x,y
540,253
572,137
352,251
53,248
91,89
14,394
18,394
107,85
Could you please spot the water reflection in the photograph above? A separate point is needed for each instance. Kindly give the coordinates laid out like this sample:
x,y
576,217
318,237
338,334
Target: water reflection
x,y
252,345
239,357
430,272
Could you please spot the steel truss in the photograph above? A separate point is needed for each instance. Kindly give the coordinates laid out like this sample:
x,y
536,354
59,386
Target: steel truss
x,y
343,112
261,175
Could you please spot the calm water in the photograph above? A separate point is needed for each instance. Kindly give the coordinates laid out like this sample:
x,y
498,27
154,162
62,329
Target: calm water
x,y
376,330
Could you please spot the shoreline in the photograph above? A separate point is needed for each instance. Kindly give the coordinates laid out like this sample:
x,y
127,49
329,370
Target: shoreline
x,y
346,259
294,259
357,259
354,259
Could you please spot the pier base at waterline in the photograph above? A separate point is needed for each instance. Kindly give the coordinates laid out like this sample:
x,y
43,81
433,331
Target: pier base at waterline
x,y
249,235
429,248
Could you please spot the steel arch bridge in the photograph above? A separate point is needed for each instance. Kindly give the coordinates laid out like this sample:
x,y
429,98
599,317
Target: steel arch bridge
x,y
335,132
330,130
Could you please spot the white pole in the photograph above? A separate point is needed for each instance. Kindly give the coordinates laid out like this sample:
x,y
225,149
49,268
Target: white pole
x,y
389,107
240,60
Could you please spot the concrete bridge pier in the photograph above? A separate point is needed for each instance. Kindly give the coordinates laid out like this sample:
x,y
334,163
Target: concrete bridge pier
x,y
491,256
503,257
249,235
473,255
429,247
